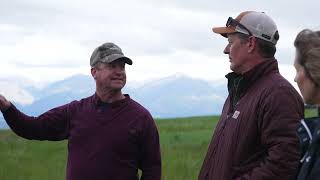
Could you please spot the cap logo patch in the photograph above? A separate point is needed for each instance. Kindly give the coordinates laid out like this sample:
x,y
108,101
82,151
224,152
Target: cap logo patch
x,y
266,36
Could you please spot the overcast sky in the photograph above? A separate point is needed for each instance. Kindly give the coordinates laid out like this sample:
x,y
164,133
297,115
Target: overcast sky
x,y
45,40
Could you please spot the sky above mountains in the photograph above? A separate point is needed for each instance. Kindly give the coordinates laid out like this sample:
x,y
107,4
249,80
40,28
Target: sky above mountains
x,y
46,41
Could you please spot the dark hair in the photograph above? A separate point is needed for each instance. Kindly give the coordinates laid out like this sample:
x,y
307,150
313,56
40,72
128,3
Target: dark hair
x,y
307,44
266,49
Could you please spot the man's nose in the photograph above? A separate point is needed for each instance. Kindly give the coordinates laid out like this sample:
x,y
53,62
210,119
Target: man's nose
x,y
226,50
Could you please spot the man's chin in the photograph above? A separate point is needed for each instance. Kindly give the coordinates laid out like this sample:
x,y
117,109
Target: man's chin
x,y
118,88
232,67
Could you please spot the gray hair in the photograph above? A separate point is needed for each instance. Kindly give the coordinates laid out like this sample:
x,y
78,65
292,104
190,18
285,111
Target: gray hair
x,y
307,44
266,48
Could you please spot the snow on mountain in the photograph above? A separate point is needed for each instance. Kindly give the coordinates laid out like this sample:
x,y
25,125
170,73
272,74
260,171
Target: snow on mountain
x,y
178,96
173,96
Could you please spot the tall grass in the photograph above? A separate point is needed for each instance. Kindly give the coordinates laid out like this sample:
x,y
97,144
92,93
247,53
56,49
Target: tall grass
x,y
31,160
184,142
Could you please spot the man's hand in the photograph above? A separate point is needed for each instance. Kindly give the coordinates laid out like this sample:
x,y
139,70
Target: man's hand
x,y
4,103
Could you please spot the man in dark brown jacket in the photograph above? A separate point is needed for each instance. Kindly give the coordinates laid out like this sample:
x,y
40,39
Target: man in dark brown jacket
x,y
256,137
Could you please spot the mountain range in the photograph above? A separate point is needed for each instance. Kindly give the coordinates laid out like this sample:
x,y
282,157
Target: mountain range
x,y
169,97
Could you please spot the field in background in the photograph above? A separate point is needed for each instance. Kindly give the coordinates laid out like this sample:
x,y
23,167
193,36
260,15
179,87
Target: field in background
x,y
184,142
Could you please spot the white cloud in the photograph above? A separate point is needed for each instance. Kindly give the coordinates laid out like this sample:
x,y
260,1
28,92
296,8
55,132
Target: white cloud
x,y
193,64
289,73
6,28
43,50
50,40
15,93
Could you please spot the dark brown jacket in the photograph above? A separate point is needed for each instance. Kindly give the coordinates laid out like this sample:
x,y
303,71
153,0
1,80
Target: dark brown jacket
x,y
256,135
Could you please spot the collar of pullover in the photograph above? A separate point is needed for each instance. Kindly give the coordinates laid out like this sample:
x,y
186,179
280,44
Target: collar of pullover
x,y
97,101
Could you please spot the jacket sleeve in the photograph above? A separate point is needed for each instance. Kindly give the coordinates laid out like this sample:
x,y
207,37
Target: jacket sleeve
x,y
281,112
150,163
51,125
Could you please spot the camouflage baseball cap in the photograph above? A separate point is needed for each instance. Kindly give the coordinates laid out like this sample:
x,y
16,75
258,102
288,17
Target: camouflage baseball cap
x,y
107,53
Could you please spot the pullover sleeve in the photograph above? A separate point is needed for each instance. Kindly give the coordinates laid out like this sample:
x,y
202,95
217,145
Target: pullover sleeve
x,y
150,151
279,119
51,125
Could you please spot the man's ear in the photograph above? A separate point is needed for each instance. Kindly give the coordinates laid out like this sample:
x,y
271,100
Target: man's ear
x,y
252,43
94,73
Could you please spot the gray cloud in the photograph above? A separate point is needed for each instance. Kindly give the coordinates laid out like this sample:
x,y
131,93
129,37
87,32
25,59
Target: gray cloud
x,y
149,28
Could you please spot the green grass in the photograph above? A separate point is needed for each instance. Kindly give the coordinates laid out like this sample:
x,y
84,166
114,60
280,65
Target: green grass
x,y
31,160
311,112
184,142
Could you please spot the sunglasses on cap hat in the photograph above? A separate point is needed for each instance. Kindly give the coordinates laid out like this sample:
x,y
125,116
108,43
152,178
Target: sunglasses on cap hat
x,y
234,23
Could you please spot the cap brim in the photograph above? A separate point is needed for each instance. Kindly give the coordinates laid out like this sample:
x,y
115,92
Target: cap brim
x,y
224,30
114,57
126,60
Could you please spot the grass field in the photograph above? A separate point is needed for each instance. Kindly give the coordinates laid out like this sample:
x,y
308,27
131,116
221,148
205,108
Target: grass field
x,y
184,142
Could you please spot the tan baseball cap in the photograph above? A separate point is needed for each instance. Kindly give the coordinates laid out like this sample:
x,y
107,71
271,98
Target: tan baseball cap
x,y
253,23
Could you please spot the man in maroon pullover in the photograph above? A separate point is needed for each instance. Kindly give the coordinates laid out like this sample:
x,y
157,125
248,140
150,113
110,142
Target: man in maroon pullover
x,y
110,136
